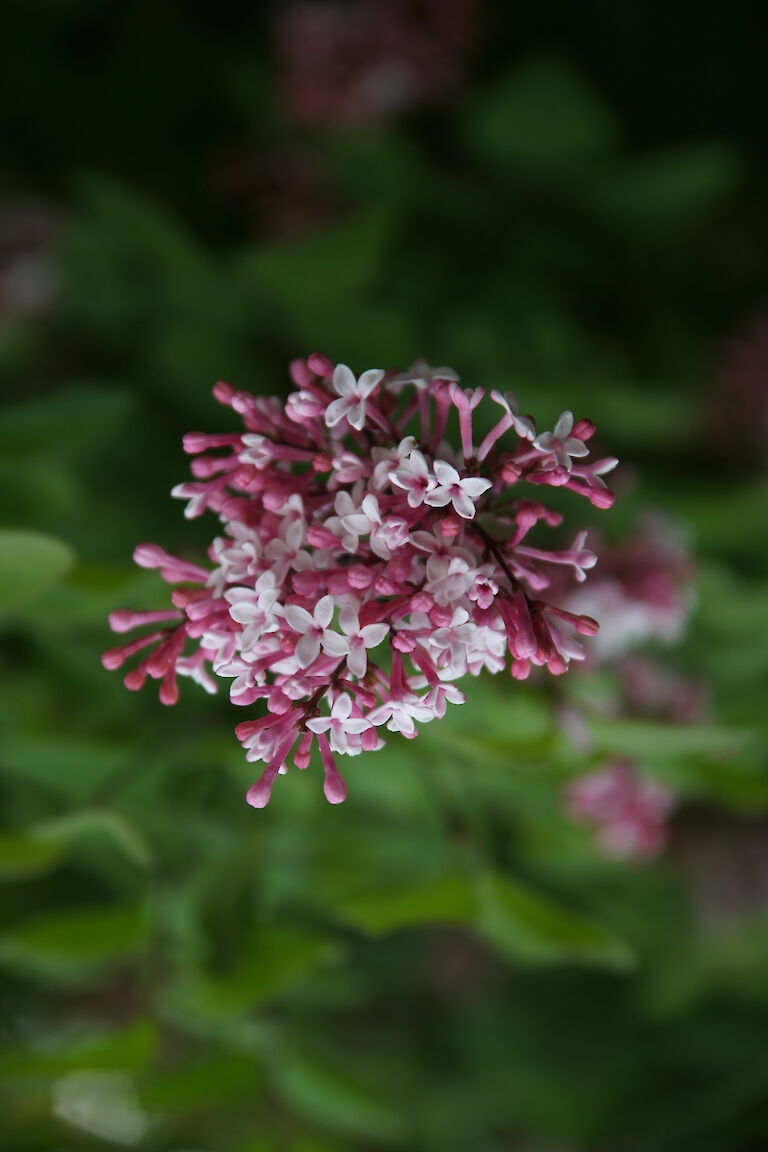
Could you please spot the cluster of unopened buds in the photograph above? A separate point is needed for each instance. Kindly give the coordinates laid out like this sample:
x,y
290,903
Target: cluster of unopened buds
x,y
363,565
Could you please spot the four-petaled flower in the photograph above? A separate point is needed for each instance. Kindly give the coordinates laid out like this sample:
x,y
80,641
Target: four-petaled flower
x,y
257,609
414,477
340,724
313,628
352,395
285,550
355,642
399,713
560,443
452,489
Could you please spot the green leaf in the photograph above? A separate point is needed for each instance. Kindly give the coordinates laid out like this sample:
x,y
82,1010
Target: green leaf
x,y
74,943
333,263
524,925
208,1082
22,856
70,423
543,117
124,259
29,564
646,740
270,963
102,822
444,900
517,921
671,190
336,1100
70,765
129,1047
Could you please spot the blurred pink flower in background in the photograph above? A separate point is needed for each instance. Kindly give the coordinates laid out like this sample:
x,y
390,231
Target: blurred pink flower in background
x,y
628,811
650,689
641,591
362,63
28,231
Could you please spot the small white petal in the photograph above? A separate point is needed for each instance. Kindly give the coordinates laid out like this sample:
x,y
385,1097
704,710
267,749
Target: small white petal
x,y
336,411
369,380
335,645
576,447
343,380
474,486
355,725
564,426
463,505
342,706
349,620
357,661
298,618
373,634
324,611
437,498
307,649
356,415
319,723
446,473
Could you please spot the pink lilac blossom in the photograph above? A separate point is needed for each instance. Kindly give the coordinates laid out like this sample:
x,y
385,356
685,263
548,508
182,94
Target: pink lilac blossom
x,y
627,811
649,689
364,62
362,566
644,591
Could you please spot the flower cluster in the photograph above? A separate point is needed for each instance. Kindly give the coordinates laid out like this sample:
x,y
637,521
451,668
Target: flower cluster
x,y
365,62
363,565
627,811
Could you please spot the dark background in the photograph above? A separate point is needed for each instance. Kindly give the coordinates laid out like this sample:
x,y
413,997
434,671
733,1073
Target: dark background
x,y
576,214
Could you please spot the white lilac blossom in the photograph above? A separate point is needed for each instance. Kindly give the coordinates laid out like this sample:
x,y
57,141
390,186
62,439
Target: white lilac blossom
x,y
361,566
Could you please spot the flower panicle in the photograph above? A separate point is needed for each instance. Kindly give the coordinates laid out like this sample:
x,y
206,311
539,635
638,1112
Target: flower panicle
x,y
362,565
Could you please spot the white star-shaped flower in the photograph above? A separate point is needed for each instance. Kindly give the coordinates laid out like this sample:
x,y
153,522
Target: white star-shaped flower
x,y
313,628
452,489
560,443
355,642
352,395
340,724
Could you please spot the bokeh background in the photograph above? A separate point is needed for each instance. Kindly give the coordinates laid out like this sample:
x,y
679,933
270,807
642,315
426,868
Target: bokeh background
x,y
543,925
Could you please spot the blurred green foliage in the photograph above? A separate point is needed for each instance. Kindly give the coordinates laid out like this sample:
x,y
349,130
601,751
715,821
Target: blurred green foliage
x,y
445,962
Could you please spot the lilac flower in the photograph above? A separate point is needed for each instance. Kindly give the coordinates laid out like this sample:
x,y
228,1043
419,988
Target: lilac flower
x,y
353,645
414,477
350,581
422,375
400,713
560,442
366,62
388,460
627,811
352,395
452,489
340,723
313,628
